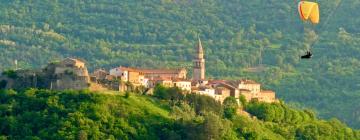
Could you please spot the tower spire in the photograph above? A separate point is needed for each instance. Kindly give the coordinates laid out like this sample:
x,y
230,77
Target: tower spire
x,y
199,48
199,62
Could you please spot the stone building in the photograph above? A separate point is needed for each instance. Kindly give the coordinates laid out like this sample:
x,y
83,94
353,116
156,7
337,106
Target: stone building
x,y
247,88
123,72
183,84
199,63
161,81
99,74
132,75
164,73
67,74
20,79
251,85
266,96
221,93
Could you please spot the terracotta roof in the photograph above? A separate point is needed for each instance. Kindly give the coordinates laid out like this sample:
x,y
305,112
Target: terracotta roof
x,y
160,79
227,85
168,79
162,71
194,88
153,71
205,87
180,80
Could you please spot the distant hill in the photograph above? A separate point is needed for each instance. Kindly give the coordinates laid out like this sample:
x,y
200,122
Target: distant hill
x,y
43,114
238,35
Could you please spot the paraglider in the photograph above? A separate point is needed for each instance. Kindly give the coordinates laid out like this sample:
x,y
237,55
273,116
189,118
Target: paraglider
x,y
309,11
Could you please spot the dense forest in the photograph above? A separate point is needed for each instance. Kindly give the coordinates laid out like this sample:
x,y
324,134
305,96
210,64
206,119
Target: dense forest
x,y
255,39
43,114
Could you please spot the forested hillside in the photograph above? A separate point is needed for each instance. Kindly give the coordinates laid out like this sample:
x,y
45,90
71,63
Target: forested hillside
x,y
42,114
239,36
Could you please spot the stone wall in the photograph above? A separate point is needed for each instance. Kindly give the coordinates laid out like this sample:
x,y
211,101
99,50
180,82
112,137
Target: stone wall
x,y
57,76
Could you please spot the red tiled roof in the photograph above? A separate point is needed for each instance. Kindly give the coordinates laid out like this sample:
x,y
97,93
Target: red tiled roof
x,y
180,80
160,79
227,85
168,79
194,89
204,87
153,71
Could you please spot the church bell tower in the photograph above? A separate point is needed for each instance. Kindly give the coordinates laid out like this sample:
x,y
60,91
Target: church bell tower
x,y
199,63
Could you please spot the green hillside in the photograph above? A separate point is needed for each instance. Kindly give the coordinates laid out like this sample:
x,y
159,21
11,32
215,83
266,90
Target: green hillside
x,y
42,114
237,35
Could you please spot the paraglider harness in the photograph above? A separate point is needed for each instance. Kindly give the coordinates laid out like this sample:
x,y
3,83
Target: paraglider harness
x,y
308,55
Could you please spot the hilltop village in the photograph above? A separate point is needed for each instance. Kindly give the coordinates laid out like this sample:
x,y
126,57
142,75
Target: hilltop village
x,y
72,74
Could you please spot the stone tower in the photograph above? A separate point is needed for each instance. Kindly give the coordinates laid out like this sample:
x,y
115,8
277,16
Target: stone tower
x,y
199,63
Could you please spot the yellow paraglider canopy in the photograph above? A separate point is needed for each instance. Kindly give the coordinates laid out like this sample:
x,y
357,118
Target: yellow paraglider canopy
x,y
309,11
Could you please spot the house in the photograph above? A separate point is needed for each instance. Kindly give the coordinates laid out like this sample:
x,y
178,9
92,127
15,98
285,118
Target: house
x,y
72,62
267,96
205,90
100,74
184,85
222,91
234,91
151,73
251,85
164,73
161,81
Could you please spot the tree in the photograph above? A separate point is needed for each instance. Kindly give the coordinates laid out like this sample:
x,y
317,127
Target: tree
x,y
160,91
212,127
231,107
173,94
203,103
